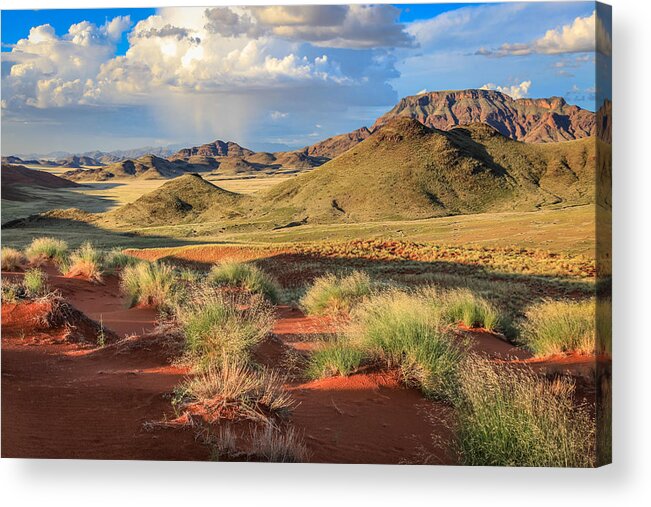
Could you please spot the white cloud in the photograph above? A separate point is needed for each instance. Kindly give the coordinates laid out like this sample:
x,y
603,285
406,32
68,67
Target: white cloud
x,y
516,91
584,34
278,115
422,92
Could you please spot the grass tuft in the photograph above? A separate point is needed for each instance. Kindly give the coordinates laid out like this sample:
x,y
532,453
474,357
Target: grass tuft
x,y
336,294
215,324
35,282
334,359
511,417
87,262
12,259
462,306
46,249
271,445
11,291
245,276
150,284
555,327
232,388
116,259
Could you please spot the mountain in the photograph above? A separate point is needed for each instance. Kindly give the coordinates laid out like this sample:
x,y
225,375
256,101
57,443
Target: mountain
x,y
11,159
528,120
146,167
16,177
215,149
406,170
336,145
78,161
181,200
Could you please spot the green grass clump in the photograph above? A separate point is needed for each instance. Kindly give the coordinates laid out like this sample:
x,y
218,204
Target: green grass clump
x,y
231,387
511,417
150,284
463,306
399,330
47,249
554,327
87,262
336,294
116,259
12,259
216,324
334,359
245,276
35,282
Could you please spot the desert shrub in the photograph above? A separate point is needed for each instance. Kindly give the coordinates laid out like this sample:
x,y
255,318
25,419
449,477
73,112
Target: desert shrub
x,y
35,282
153,284
86,261
336,294
190,276
214,324
554,327
45,249
232,388
245,276
511,417
12,259
116,259
463,306
272,445
11,291
335,358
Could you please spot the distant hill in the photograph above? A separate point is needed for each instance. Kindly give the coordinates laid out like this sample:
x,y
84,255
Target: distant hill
x,y
183,199
528,120
336,145
15,177
146,167
406,170
78,161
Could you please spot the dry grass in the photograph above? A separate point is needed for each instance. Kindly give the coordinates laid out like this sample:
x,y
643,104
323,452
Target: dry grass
x,y
45,249
87,262
246,277
268,444
12,259
35,283
233,389
151,284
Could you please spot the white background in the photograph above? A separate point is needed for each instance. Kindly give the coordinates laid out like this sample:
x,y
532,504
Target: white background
x,y
627,482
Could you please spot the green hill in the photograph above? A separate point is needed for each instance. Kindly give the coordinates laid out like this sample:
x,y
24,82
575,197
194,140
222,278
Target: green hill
x,y
406,170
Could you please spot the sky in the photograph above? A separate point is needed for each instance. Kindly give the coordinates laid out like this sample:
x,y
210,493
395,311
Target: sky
x,y
276,77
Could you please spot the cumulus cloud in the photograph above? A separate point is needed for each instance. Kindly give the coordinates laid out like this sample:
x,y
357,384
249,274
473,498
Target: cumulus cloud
x,y
584,34
47,70
516,91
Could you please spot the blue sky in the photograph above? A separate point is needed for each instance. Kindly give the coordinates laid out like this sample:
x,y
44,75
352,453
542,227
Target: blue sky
x,y
274,78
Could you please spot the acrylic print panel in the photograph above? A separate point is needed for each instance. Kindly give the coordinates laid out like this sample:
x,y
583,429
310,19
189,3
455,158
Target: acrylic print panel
x,y
343,234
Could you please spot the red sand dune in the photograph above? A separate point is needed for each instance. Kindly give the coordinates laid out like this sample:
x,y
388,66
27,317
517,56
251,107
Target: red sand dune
x,y
18,175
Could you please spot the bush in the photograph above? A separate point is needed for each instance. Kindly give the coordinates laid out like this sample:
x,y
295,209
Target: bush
x,y
246,277
336,294
47,249
511,417
338,358
231,388
35,282
86,261
462,306
554,327
12,259
11,292
150,284
215,324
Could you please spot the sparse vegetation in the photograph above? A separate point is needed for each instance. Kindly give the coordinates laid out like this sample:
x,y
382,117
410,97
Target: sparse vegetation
x,y
151,284
11,292
45,249
275,446
336,294
555,327
246,277
116,259
12,259
232,388
512,417
215,324
462,306
87,262
35,282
